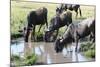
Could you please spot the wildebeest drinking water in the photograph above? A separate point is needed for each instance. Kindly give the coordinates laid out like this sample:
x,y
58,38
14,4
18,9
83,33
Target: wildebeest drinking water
x,y
38,17
72,7
57,22
75,32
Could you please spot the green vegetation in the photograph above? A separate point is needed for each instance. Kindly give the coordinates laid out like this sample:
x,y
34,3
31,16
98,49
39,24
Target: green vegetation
x,y
88,49
16,60
20,10
15,57
90,53
15,36
28,60
39,36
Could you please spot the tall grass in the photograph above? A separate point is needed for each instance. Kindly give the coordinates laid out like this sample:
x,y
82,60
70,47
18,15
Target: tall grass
x,y
20,10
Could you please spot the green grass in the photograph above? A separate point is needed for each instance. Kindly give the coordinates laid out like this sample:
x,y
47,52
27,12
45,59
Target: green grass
x,y
90,53
27,60
15,57
20,10
88,49
30,59
16,60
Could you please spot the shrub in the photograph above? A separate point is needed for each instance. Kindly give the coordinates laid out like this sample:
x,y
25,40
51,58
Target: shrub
x,y
15,58
90,53
39,36
86,46
88,49
15,36
30,59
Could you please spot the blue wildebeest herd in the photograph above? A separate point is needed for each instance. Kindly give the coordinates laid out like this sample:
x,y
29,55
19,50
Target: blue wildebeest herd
x,y
73,32
65,7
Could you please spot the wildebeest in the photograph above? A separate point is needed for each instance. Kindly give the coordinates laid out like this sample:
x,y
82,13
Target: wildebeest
x,y
37,17
57,22
75,32
72,7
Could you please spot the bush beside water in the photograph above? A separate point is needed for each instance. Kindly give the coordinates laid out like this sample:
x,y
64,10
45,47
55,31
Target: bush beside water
x,y
15,36
88,49
90,53
28,60
15,57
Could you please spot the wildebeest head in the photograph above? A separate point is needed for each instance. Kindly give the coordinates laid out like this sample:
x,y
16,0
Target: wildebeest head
x,y
64,40
57,22
72,7
53,26
47,35
60,9
58,45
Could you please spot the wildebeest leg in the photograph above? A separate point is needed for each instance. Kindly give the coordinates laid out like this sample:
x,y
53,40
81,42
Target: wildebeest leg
x,y
56,34
92,37
76,57
76,40
33,34
65,9
76,48
76,13
46,23
27,35
39,28
65,30
80,11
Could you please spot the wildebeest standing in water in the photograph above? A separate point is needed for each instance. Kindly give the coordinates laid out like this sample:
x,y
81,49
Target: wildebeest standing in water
x,y
57,22
72,7
38,17
75,32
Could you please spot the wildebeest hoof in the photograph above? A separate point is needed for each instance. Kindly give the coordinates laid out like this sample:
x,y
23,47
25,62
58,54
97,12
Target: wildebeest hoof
x,y
76,50
26,40
70,51
65,56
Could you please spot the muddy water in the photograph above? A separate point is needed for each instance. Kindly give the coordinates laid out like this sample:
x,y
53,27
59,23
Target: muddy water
x,y
46,53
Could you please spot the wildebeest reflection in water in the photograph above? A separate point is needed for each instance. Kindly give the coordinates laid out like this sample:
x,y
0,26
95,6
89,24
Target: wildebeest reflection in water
x,y
71,7
57,22
38,17
45,53
75,32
